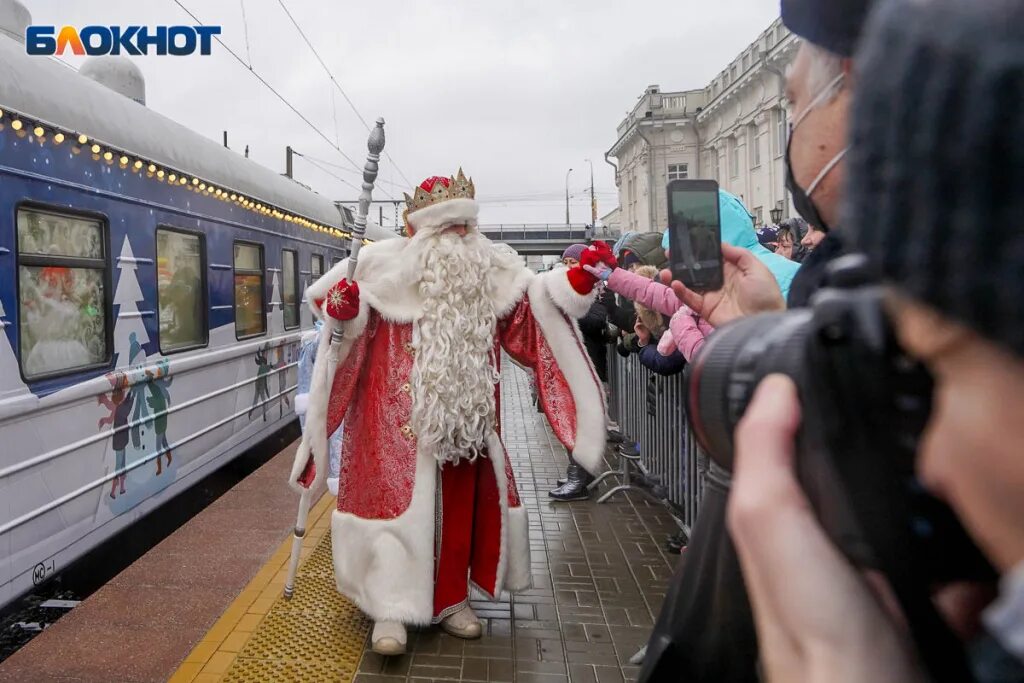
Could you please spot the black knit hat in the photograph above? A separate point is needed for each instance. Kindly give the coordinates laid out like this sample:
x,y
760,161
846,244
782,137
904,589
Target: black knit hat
x,y
832,24
935,171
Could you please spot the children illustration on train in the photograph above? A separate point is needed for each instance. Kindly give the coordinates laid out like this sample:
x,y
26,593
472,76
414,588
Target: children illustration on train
x,y
159,400
119,403
262,391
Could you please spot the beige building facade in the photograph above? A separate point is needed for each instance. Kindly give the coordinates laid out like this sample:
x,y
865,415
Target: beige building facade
x,y
733,131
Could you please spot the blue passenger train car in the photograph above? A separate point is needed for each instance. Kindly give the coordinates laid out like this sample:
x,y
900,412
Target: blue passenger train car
x,y
150,301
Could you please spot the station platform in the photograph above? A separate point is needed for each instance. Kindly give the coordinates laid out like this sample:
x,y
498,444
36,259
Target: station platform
x,y
206,604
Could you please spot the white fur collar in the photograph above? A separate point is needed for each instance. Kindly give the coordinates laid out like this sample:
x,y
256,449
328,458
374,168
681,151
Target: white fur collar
x,y
383,285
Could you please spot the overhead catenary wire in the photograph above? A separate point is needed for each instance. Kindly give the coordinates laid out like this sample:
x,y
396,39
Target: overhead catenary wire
x,y
272,89
338,86
345,169
328,171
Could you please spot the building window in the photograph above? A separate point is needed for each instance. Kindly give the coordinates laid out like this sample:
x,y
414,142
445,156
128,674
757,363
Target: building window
x,y
62,293
250,319
316,267
181,290
678,172
782,131
758,217
755,147
734,157
290,287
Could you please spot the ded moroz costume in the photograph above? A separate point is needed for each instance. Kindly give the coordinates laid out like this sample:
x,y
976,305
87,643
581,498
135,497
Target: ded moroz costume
x,y
426,495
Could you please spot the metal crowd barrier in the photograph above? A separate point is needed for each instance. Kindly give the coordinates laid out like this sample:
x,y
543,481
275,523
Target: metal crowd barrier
x,y
650,410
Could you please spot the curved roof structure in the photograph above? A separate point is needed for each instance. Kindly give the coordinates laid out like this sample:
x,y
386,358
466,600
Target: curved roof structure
x,y
44,90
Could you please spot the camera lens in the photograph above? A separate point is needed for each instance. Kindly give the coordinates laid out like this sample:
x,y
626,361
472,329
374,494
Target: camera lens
x,y
734,360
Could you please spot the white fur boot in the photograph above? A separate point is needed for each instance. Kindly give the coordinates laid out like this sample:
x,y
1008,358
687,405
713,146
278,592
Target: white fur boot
x,y
388,638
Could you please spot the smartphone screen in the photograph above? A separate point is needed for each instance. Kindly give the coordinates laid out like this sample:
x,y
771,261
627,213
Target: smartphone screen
x,y
695,234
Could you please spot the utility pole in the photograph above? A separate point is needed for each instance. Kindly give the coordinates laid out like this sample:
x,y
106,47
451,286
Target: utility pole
x,y
225,138
567,197
288,161
593,200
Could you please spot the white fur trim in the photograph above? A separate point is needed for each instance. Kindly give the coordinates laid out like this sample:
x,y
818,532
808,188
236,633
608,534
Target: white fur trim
x,y
301,403
568,299
514,553
384,283
332,485
547,293
496,455
314,438
517,576
386,566
451,212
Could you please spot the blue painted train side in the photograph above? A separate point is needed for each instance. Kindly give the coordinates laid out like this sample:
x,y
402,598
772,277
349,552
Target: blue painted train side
x,y
75,466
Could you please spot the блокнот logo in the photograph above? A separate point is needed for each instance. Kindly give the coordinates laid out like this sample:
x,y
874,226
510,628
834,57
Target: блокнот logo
x,y
116,40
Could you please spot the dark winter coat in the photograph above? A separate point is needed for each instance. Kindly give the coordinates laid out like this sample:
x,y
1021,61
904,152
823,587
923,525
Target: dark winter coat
x,y
652,359
594,328
811,275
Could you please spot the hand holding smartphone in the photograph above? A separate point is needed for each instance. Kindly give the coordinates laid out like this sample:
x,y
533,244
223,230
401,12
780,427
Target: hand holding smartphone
x,y
695,234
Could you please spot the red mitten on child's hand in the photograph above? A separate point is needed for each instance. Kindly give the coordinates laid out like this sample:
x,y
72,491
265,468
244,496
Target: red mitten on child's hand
x,y
342,302
599,252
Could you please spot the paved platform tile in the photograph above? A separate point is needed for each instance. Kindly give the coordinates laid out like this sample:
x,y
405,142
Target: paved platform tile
x,y
598,574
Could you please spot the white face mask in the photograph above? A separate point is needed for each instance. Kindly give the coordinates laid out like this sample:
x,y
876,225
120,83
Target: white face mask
x,y
815,101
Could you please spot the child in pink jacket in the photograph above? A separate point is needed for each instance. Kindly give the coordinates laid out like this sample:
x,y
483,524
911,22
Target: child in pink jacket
x,y
686,330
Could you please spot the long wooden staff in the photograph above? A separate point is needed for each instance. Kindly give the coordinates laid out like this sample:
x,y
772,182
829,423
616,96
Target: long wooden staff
x,y
376,145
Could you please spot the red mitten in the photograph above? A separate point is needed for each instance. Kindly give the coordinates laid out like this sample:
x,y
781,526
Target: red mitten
x,y
342,302
599,252
581,281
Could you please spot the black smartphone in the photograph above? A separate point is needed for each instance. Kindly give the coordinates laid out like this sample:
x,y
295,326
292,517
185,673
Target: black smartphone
x,y
695,234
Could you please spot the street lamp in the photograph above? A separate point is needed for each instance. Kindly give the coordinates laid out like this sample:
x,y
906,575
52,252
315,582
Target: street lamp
x,y
776,215
593,202
567,197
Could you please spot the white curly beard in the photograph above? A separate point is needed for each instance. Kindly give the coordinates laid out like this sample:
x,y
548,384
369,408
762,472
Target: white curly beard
x,y
454,373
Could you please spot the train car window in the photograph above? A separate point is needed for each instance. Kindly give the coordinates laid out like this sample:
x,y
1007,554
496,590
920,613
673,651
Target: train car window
x,y
250,319
316,267
62,293
290,288
181,289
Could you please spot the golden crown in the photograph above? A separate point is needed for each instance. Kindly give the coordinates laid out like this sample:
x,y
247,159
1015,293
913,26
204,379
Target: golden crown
x,y
439,189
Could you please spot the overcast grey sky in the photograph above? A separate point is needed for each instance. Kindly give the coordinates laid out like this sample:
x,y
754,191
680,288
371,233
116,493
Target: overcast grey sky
x,y
515,92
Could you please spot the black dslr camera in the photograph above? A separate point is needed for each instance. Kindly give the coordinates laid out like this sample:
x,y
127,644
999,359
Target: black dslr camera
x,y
865,405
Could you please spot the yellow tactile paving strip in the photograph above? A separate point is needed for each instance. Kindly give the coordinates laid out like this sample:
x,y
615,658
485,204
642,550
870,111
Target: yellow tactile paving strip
x,y
316,636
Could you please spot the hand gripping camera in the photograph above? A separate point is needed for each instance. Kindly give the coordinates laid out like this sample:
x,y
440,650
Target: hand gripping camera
x,y
865,405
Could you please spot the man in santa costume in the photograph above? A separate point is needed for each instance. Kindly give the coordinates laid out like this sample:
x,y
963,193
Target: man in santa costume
x,y
426,501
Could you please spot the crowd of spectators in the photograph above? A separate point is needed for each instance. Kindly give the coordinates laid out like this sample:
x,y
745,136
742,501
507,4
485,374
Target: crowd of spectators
x,y
906,144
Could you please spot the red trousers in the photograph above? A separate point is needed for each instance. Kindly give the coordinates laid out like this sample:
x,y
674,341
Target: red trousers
x,y
468,534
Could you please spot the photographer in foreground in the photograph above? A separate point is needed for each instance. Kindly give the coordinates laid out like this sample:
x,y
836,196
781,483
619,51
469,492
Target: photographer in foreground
x,y
936,201
705,629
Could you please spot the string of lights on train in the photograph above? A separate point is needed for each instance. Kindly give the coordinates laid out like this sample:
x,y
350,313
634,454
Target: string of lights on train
x,y
26,125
